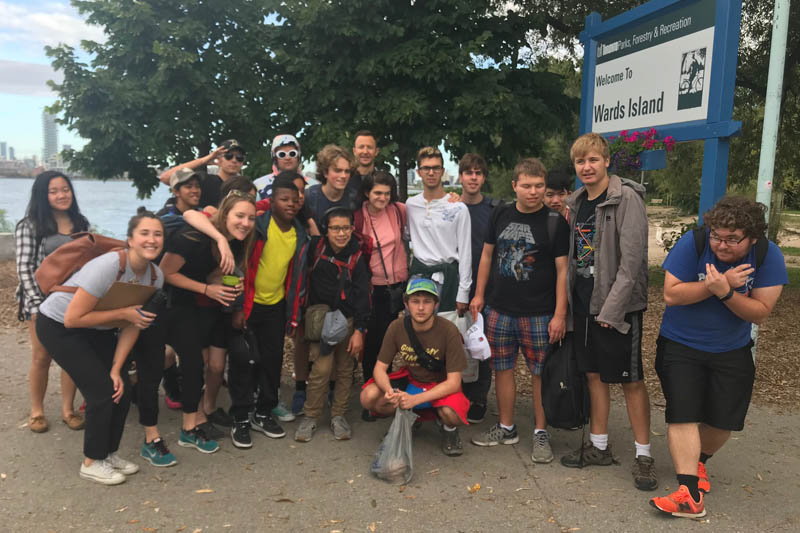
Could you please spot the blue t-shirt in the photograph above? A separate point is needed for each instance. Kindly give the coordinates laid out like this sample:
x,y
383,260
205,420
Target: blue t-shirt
x,y
709,325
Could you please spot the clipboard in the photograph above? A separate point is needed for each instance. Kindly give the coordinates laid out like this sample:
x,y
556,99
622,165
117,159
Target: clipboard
x,y
124,295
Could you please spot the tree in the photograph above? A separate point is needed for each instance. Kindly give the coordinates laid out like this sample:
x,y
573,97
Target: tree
x,y
172,80
416,73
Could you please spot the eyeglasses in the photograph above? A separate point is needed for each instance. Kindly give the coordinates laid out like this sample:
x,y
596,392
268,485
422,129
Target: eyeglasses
x,y
428,170
713,237
283,154
229,156
340,229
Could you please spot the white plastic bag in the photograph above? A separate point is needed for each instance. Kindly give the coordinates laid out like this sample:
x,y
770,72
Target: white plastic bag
x,y
393,460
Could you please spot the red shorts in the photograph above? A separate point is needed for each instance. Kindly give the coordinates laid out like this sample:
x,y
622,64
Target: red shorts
x,y
456,401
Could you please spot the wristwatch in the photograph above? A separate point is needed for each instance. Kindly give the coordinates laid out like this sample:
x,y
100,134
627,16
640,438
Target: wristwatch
x,y
727,296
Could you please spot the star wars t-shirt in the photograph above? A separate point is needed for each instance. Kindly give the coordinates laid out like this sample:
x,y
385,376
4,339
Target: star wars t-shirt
x,y
523,265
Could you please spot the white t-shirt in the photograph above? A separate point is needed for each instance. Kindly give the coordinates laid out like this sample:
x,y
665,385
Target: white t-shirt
x,y
441,232
96,277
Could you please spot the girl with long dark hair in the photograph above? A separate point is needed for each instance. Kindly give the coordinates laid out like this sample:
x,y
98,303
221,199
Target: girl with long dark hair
x,y
86,344
380,223
52,215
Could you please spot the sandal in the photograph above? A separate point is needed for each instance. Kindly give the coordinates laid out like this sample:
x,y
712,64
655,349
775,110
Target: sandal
x,y
38,424
74,422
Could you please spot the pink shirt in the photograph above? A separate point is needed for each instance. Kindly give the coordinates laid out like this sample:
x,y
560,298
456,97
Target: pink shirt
x,y
394,254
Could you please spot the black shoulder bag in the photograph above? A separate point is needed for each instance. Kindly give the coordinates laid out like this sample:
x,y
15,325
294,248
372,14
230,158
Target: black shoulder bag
x,y
423,358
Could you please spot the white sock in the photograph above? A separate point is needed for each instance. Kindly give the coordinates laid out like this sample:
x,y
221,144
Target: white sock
x,y
599,441
642,449
507,428
537,431
448,428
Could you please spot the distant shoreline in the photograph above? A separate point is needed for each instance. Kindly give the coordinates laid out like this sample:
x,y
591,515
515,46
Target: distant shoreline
x,y
70,177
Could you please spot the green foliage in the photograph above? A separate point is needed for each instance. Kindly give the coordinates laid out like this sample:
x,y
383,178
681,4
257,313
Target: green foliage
x,y
6,226
669,238
172,80
655,276
794,277
415,73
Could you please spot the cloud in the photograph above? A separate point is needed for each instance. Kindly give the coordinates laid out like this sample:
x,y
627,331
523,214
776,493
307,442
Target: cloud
x,y
43,24
27,79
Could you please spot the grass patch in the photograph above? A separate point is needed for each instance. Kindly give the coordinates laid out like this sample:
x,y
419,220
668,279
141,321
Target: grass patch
x,y
794,277
790,250
655,276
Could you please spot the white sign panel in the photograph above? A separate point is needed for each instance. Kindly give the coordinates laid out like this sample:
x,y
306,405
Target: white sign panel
x,y
655,73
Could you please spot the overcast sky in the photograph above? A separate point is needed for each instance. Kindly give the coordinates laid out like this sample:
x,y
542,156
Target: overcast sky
x,y
26,26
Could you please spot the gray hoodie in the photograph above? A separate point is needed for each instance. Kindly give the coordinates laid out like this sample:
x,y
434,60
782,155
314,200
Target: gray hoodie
x,y
620,244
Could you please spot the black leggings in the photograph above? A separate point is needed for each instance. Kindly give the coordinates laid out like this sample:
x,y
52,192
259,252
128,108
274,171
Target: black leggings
x,y
379,323
87,355
188,331
149,356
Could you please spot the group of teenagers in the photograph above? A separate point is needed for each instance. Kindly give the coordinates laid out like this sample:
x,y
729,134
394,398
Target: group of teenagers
x,y
351,275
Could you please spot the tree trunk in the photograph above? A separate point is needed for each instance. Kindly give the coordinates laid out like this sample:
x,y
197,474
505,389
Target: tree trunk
x,y
402,169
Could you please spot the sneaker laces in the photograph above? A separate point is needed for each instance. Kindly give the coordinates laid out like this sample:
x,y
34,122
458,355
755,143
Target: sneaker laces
x,y
643,468
200,433
541,438
105,467
159,445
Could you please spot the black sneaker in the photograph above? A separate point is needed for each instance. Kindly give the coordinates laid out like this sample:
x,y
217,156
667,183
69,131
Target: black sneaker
x,y
266,425
588,455
211,431
451,443
240,434
476,413
644,473
220,418
367,416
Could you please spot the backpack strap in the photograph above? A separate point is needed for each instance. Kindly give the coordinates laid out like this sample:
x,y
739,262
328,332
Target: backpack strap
x,y
761,246
552,227
424,359
699,235
494,202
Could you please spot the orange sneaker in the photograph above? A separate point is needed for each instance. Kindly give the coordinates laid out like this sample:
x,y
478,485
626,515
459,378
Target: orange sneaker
x,y
680,503
703,483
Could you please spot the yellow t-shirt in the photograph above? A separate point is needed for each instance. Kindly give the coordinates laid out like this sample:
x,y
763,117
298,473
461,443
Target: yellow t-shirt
x,y
274,264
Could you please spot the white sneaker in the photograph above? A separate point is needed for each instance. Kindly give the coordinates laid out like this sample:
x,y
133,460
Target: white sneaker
x,y
101,472
123,465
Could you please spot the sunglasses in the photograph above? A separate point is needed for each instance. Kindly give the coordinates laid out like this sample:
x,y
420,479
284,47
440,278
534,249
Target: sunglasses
x,y
229,156
241,194
283,154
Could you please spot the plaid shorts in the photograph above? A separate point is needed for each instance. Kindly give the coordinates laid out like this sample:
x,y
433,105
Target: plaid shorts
x,y
507,334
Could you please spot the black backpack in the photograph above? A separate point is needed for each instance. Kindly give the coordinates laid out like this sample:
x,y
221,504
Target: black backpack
x,y
565,395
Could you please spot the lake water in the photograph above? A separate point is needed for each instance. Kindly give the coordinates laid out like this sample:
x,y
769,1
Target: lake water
x,y
108,205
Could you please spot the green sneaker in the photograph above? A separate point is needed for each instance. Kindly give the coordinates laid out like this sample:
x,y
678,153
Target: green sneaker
x,y
157,454
196,438
282,413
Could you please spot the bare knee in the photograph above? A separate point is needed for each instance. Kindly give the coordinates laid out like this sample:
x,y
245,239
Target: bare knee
x,y
370,396
449,416
40,358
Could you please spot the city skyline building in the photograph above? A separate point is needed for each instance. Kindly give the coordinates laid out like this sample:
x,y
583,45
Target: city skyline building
x,y
49,139
3,153
11,154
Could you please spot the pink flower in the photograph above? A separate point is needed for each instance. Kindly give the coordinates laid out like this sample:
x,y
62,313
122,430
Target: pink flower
x,y
669,142
612,137
648,144
624,133
651,133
